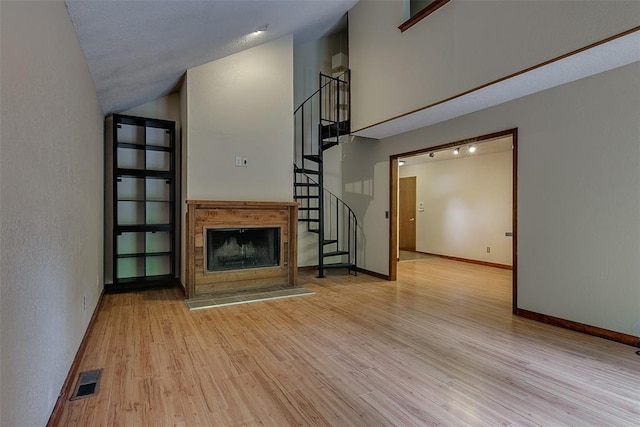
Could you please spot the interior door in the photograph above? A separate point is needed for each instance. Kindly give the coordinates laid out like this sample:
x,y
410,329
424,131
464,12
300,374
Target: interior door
x,y
407,214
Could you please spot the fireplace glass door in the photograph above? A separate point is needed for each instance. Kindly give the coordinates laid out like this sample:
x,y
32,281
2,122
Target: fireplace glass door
x,y
242,248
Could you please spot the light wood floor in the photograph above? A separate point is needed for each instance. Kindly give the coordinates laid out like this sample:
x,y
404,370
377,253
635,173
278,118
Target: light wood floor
x,y
410,255
437,347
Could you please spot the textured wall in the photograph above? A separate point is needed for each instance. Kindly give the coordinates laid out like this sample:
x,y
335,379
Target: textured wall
x,y
242,105
578,199
51,206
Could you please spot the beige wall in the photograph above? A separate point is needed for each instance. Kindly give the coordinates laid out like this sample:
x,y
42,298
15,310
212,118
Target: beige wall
x,y
463,45
310,59
467,207
51,199
578,199
313,57
169,108
165,108
242,105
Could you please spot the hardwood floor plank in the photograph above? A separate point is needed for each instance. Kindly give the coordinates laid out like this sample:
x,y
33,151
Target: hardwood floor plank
x,y
311,414
438,347
395,414
191,400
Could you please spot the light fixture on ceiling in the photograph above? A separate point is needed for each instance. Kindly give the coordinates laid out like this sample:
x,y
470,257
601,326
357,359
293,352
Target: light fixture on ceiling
x,y
472,149
261,29
431,154
400,162
456,151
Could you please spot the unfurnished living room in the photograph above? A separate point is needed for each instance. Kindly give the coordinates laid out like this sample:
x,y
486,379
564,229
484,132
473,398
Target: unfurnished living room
x,y
319,212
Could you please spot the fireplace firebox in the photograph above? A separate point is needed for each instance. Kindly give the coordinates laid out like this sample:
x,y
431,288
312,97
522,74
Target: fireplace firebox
x,y
241,248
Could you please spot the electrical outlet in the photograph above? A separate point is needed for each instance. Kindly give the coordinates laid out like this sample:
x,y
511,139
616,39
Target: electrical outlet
x,y
238,161
488,249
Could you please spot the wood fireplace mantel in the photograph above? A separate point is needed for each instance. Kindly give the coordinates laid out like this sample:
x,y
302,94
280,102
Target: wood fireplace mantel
x,y
208,214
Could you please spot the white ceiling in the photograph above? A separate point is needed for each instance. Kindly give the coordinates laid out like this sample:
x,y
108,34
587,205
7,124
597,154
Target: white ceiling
x,y
137,51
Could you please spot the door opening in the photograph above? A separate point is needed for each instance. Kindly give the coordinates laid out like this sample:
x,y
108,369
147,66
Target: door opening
x,y
407,214
457,149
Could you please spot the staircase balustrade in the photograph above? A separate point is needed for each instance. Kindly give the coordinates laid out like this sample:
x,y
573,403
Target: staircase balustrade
x,y
320,122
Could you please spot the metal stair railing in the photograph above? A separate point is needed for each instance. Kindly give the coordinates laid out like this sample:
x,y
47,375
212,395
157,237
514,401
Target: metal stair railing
x,y
319,123
338,220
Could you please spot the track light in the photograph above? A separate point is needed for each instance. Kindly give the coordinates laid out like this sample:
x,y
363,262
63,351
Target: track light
x,y
456,151
431,154
472,149
400,162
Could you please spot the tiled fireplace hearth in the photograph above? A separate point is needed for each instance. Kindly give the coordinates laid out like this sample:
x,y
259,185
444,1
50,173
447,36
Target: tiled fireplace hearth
x,y
237,246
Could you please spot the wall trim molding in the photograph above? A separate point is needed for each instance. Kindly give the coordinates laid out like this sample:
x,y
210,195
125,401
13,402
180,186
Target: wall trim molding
x,y
470,261
435,5
373,274
580,327
67,386
381,130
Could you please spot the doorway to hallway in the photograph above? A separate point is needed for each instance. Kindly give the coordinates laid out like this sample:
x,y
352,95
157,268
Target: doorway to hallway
x,y
468,210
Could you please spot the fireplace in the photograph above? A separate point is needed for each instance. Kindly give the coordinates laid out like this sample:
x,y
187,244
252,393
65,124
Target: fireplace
x,y
240,248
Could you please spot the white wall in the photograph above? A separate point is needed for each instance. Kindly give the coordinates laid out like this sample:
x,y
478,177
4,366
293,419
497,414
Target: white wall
x,y
463,45
578,198
51,200
242,105
467,206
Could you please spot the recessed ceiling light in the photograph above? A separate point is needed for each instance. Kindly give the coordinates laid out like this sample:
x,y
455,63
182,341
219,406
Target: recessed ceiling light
x,y
472,149
262,29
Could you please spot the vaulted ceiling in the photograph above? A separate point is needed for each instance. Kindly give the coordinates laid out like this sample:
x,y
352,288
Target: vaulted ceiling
x,y
137,51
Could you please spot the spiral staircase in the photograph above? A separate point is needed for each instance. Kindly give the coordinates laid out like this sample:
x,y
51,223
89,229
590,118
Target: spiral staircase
x,y
322,121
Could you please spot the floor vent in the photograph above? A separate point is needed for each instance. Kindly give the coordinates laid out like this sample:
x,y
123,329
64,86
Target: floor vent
x,y
87,385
